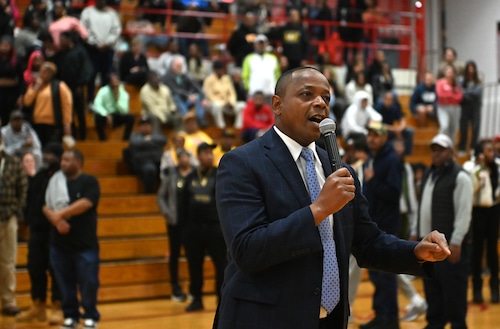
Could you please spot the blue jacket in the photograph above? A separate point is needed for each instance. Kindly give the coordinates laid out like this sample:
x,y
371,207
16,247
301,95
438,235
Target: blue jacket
x,y
423,95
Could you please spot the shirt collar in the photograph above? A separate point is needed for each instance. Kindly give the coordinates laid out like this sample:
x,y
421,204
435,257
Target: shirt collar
x,y
294,147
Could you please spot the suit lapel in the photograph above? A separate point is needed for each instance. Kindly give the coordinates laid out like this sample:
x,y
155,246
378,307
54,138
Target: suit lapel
x,y
276,150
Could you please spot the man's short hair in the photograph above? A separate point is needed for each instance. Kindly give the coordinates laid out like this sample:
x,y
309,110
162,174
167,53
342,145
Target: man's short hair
x,y
77,154
285,78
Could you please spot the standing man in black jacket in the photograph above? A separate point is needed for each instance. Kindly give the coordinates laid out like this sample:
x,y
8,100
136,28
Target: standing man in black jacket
x,y
75,69
382,188
294,40
240,43
202,231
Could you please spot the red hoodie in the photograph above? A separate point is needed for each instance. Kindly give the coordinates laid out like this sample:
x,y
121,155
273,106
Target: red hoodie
x,y
447,94
262,118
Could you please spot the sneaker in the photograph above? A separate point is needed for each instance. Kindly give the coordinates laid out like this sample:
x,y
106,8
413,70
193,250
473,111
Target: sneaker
x,y
56,315
414,311
461,154
196,305
89,324
11,311
178,295
70,323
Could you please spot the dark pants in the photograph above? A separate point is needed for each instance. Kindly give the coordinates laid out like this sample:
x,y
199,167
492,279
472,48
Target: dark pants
x,y
175,243
485,224
334,320
77,269
118,120
469,115
446,293
79,114
39,264
149,174
200,238
385,299
47,133
102,62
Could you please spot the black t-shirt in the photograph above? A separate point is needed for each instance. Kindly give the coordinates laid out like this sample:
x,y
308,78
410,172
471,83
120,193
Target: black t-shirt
x,y
83,232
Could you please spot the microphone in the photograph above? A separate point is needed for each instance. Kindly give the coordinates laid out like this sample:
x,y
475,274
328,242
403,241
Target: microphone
x,y
327,128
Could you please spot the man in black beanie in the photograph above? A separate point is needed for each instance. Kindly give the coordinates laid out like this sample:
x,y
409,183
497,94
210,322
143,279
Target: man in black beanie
x,y
39,239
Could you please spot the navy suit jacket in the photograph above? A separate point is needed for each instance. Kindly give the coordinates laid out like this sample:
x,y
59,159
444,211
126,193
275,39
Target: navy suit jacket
x,y
273,278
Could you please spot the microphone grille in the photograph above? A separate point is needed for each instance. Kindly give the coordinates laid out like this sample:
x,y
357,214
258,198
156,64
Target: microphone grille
x,y
327,125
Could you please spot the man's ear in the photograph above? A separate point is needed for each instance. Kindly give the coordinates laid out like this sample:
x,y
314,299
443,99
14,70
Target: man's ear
x,y
277,104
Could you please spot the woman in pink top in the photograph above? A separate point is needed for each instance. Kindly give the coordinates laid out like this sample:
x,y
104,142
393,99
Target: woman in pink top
x,y
62,22
449,96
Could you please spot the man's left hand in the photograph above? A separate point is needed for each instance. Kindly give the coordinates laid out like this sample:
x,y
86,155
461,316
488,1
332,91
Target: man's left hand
x,y
433,247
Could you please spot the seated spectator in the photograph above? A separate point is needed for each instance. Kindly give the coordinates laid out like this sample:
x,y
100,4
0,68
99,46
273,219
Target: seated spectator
x,y
358,84
186,92
261,69
240,43
32,71
423,100
19,138
393,118
75,69
64,23
164,62
52,106
27,35
241,95
10,78
375,67
337,98
450,58
6,19
144,29
382,82
196,66
357,116
133,66
29,164
356,66
158,103
111,107
144,154
42,10
192,133
221,96
226,144
258,117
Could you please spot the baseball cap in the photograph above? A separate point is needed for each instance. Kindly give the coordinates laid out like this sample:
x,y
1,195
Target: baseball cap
x,y
260,38
204,146
16,115
378,127
54,148
443,141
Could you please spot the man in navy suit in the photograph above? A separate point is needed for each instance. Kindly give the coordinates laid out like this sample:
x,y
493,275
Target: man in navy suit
x,y
275,267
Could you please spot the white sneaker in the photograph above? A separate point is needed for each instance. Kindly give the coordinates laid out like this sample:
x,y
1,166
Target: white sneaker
x,y
70,323
89,324
414,311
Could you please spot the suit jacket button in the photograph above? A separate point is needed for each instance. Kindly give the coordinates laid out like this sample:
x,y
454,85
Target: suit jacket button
x,y
317,291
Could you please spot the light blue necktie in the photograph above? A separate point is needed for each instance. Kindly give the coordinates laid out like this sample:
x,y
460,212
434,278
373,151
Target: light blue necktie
x,y
330,290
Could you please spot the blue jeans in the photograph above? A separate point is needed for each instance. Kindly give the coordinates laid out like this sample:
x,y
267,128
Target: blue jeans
x,y
74,269
183,107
